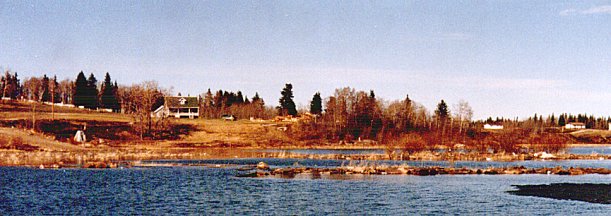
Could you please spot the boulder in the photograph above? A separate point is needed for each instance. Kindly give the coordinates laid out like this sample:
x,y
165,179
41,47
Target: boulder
x,y
262,165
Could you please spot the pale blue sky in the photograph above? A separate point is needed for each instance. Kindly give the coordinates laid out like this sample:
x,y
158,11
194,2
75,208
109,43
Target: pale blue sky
x,y
506,58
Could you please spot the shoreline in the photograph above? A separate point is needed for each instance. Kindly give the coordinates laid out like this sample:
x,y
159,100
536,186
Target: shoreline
x,y
112,155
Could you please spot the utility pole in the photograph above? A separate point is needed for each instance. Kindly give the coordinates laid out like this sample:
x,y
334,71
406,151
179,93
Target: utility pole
x,y
33,116
53,102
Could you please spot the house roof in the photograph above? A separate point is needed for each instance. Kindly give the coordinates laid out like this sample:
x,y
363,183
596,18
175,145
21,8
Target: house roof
x,y
576,123
181,102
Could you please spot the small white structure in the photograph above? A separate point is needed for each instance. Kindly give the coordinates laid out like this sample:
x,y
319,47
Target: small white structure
x,y
493,127
609,126
575,126
80,136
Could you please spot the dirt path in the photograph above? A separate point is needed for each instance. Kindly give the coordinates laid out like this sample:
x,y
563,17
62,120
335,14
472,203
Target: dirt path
x,y
38,140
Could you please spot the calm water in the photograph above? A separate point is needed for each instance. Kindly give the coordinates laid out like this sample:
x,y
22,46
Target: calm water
x,y
206,191
590,150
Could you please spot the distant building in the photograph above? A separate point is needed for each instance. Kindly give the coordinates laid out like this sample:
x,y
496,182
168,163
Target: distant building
x,y
493,127
610,126
575,126
178,107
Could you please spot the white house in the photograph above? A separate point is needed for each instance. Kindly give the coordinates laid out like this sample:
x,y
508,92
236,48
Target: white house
x,y
610,126
178,107
575,126
493,127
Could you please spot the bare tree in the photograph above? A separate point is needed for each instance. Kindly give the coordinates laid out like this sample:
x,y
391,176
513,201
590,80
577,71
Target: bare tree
x,y
463,114
139,100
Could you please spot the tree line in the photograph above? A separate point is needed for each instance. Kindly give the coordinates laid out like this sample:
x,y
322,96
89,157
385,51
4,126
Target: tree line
x,y
82,92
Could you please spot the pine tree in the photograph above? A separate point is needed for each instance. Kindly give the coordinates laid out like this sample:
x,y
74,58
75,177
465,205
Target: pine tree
x,y
80,90
46,94
55,90
92,92
562,120
442,112
10,86
108,96
239,98
316,104
287,105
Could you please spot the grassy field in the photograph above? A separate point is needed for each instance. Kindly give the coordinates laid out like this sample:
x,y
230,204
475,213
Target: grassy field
x,y
116,129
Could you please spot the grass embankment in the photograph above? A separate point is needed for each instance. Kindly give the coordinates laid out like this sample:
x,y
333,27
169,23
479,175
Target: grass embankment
x,y
31,134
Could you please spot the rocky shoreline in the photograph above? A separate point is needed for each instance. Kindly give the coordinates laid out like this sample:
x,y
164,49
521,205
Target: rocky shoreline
x,y
262,170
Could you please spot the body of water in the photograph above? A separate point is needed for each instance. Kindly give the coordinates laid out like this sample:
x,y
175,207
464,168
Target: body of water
x,y
199,190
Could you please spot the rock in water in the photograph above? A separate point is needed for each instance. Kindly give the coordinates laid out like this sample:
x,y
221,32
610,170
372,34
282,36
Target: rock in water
x,y
262,165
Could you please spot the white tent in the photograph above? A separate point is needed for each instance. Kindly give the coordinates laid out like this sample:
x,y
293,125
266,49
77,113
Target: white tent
x,y
80,136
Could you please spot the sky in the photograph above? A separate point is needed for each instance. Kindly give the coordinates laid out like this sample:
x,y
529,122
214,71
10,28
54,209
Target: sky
x,y
505,58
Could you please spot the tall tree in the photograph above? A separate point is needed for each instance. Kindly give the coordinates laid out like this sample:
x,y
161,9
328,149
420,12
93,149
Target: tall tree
x,y
562,120
441,114
46,94
463,114
316,104
92,92
108,95
80,95
287,105
11,87
55,90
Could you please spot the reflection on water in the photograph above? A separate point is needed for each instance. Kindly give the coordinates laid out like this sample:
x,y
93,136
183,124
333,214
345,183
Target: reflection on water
x,y
590,150
205,191
276,162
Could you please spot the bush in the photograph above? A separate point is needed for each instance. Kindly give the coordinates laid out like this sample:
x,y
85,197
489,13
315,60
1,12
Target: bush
x,y
413,143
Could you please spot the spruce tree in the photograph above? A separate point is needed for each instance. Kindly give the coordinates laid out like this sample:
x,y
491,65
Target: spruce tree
x,y
239,99
562,120
108,97
80,90
46,95
92,92
287,105
55,90
442,111
316,104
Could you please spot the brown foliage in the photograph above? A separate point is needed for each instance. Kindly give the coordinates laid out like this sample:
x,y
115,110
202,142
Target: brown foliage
x,y
547,142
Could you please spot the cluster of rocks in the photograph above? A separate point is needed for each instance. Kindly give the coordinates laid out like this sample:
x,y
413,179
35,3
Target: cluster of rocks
x,y
419,171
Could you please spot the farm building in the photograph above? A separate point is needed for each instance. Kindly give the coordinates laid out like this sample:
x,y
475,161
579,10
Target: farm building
x,y
575,125
493,127
179,107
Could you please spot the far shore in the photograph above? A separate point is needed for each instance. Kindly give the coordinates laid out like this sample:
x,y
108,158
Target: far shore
x,y
147,153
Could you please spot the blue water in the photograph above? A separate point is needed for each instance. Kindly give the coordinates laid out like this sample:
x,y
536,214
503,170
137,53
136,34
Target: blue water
x,y
589,150
199,190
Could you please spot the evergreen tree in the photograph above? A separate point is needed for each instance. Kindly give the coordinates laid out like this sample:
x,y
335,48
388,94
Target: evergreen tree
x,y
239,98
46,94
287,105
562,120
92,92
108,95
11,88
316,104
80,90
442,111
55,90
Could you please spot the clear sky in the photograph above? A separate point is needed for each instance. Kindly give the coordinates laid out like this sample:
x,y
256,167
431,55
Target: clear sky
x,y
506,58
